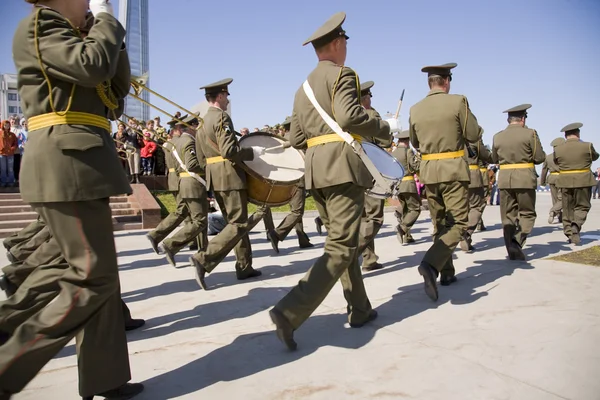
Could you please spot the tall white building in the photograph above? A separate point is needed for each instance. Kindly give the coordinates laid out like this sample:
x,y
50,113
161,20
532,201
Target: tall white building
x,y
9,97
133,15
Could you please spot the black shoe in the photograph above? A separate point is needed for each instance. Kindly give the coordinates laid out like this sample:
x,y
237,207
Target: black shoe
x,y
319,225
200,272
515,252
153,243
466,247
372,267
372,317
447,280
400,234
123,392
283,329
575,238
194,246
170,256
306,245
272,237
133,324
429,275
247,275
408,238
7,286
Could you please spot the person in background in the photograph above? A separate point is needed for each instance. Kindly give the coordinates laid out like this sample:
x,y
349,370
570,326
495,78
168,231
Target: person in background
x,y
596,189
21,140
147,152
8,146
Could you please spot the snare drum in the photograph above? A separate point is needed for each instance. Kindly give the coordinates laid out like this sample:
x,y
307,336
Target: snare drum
x,y
273,177
388,172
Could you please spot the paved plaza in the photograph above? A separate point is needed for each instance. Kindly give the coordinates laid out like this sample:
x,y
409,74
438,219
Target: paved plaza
x,y
505,330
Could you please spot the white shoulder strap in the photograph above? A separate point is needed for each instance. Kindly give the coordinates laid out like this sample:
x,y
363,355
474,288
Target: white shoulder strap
x,y
328,120
182,165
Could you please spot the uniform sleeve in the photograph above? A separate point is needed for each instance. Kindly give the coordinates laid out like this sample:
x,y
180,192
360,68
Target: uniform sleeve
x,y
121,81
348,112
544,173
296,136
485,154
593,152
414,140
383,142
468,122
86,62
190,157
228,144
538,151
494,152
414,164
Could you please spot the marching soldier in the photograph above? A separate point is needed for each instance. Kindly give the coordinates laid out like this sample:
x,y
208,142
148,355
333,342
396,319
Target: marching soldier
x,y
485,178
478,153
294,218
549,176
336,177
517,150
440,126
69,144
227,180
192,192
574,159
409,209
372,216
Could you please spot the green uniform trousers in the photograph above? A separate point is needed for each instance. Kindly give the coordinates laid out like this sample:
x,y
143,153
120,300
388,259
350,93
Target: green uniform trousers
x,y
294,219
87,296
556,194
476,207
24,249
340,208
517,208
24,234
234,206
268,220
449,208
576,204
197,228
371,222
409,210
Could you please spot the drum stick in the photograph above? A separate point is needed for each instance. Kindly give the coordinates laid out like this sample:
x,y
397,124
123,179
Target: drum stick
x,y
399,105
281,146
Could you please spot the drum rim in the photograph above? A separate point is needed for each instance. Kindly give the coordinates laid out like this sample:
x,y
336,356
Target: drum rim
x,y
255,174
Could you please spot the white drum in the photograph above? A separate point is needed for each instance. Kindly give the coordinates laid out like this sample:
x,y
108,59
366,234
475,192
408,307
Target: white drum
x,y
387,172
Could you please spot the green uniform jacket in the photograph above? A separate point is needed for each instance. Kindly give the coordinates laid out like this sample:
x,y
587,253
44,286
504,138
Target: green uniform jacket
x,y
337,90
189,187
482,155
574,154
286,137
517,145
216,138
548,167
171,161
70,162
442,123
384,143
407,158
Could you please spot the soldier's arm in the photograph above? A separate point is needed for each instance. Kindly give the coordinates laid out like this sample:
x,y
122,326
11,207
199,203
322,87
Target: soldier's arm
x,y
121,82
593,152
485,154
468,122
414,140
348,112
383,142
228,144
190,157
296,136
85,62
538,151
494,152
544,173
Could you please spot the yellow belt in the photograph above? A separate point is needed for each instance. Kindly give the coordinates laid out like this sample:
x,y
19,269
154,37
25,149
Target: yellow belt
x,y
575,171
483,169
214,160
184,175
517,166
70,118
554,173
474,167
408,178
171,169
443,156
329,138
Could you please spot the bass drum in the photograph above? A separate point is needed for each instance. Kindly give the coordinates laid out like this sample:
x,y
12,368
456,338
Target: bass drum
x,y
273,177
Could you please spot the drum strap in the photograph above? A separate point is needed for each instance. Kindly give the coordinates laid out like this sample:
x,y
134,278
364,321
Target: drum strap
x,y
192,174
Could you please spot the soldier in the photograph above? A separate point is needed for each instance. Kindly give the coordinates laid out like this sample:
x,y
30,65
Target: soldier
x,y
517,150
192,192
294,218
69,145
409,209
372,215
440,126
227,180
485,178
574,159
549,176
337,179
319,225
478,153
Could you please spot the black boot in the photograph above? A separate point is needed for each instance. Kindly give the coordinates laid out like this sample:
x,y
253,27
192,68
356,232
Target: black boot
x,y
123,392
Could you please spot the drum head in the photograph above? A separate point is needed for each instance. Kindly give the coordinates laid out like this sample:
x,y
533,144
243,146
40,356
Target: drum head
x,y
385,163
281,165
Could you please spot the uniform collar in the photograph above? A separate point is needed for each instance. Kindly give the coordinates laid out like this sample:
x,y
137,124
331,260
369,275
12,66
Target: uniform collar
x,y
574,140
185,133
435,91
512,126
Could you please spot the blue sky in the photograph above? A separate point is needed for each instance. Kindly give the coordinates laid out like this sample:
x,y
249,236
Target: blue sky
x,y
543,52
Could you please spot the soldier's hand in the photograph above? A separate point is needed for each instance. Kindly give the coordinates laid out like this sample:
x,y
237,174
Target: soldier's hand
x,y
395,125
100,6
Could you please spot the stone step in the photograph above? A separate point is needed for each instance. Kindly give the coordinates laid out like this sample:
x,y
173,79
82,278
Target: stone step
x,y
18,201
120,223
10,196
6,209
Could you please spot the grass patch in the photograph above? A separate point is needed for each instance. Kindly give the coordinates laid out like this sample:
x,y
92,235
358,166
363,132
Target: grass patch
x,y
590,256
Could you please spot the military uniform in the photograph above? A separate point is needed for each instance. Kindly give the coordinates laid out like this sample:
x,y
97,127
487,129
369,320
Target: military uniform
x,y
227,180
372,216
485,178
440,126
69,171
574,159
294,218
476,190
549,176
337,179
24,234
517,150
409,209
